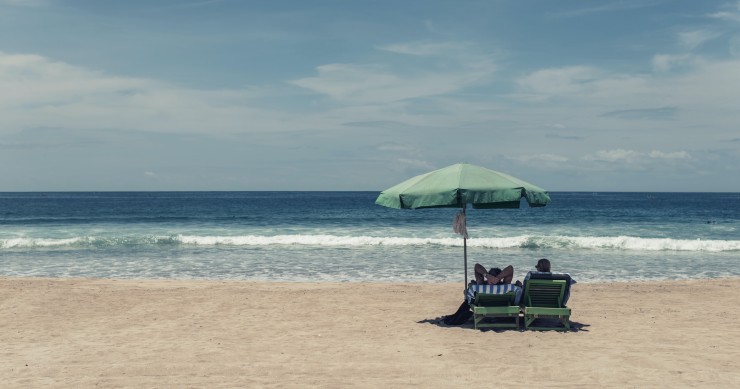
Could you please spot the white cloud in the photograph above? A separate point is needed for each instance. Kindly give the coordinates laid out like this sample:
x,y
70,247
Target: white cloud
x,y
667,62
392,146
702,93
693,39
709,87
560,81
396,81
722,15
54,94
732,14
541,158
609,7
377,84
423,48
614,156
688,83
655,154
635,157
359,82
37,80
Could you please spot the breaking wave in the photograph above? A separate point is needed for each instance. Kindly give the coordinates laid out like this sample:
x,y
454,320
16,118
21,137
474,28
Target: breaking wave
x,y
527,242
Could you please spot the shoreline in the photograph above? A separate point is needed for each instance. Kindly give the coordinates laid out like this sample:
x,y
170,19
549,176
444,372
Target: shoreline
x,y
78,332
353,282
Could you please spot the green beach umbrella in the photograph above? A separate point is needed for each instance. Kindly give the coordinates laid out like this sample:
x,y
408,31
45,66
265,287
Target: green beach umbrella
x,y
456,186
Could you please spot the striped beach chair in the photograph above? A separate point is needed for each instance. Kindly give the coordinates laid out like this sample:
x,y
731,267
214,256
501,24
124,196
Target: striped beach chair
x,y
494,302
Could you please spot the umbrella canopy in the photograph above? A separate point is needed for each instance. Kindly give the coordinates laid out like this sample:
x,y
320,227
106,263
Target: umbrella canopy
x,y
456,186
460,184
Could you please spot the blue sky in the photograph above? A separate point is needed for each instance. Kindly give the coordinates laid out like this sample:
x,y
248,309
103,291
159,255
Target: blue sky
x,y
359,95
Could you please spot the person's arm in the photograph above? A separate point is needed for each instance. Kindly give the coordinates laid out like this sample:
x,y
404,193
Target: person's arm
x,y
480,273
506,275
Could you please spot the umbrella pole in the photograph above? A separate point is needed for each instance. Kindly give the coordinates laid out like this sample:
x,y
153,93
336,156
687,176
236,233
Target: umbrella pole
x,y
465,245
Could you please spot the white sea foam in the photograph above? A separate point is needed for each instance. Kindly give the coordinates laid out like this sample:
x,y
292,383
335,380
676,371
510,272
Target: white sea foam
x,y
84,241
565,242
38,242
627,243
316,240
641,244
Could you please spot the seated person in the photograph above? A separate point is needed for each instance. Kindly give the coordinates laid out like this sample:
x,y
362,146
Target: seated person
x,y
494,276
543,271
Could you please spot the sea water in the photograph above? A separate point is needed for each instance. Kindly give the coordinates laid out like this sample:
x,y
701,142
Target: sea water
x,y
344,236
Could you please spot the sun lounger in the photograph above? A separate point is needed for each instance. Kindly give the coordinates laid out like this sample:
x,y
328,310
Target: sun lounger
x,y
544,297
497,302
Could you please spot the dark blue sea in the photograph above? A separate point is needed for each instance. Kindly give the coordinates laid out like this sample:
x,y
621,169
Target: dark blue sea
x,y
344,236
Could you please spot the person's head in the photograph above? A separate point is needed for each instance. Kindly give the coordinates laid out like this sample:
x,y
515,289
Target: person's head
x,y
543,265
494,271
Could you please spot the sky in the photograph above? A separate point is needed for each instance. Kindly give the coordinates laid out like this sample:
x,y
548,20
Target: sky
x,y
144,95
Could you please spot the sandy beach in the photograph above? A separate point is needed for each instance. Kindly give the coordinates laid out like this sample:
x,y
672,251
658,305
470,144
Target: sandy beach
x,y
178,334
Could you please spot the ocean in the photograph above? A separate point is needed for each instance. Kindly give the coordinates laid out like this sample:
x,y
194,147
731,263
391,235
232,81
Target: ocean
x,y
345,237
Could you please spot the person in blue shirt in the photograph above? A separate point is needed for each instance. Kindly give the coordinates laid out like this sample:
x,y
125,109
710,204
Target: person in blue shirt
x,y
543,270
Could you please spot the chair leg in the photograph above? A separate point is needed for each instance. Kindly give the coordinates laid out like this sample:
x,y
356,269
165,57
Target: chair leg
x,y
565,321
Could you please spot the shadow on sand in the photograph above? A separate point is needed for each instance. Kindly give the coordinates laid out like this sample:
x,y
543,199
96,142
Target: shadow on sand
x,y
574,325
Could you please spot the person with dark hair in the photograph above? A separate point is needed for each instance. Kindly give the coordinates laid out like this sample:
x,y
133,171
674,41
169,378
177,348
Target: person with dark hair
x,y
495,276
543,265
543,270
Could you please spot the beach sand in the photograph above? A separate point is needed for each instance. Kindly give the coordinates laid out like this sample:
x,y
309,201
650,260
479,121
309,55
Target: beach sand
x,y
179,334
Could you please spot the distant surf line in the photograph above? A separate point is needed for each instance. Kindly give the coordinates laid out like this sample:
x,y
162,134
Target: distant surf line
x,y
629,243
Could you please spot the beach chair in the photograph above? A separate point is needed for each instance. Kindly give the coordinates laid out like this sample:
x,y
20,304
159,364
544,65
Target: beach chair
x,y
495,302
544,298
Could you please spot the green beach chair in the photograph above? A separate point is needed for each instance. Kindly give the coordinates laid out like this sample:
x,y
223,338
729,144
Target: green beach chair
x,y
496,306
543,298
